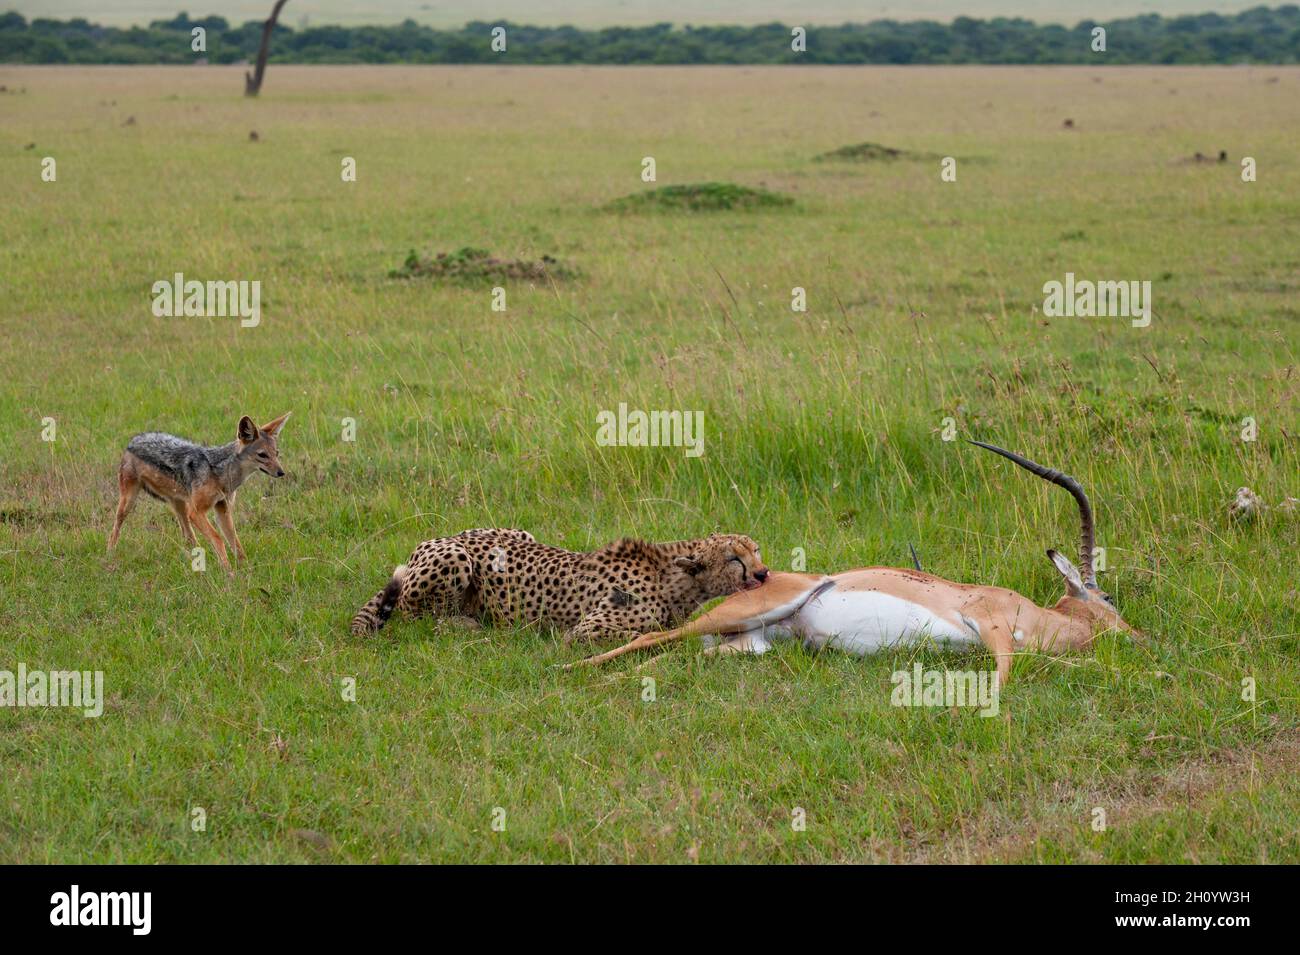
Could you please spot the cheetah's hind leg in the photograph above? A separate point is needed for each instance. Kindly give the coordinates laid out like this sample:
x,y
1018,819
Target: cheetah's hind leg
x,y
439,582
436,580
609,624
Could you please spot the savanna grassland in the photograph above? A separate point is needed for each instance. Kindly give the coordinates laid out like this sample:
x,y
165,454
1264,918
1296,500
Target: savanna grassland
x,y
824,435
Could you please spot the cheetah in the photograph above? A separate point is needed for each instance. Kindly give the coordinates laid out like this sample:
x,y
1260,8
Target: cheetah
x,y
503,575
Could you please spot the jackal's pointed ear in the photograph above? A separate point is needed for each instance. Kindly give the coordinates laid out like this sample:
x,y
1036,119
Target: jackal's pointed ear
x,y
1073,580
273,427
247,430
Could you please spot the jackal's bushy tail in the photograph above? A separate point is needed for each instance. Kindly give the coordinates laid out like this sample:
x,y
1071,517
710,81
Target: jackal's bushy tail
x,y
380,607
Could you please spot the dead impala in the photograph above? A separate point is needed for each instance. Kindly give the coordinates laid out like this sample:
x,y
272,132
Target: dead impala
x,y
862,611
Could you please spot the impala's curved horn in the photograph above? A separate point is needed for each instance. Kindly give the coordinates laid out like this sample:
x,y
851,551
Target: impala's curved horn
x,y
1087,534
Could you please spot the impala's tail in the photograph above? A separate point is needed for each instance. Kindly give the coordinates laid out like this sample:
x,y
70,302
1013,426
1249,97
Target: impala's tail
x,y
380,607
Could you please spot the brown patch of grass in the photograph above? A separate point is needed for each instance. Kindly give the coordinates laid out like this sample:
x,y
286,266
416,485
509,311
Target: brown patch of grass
x,y
1131,800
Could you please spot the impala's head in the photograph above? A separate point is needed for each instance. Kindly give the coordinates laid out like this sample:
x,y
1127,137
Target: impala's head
x,y
723,563
1087,601
1083,598
257,446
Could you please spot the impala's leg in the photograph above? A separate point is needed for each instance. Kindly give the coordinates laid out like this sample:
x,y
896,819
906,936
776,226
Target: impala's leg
x,y
742,612
643,642
999,641
728,616
1004,666
752,641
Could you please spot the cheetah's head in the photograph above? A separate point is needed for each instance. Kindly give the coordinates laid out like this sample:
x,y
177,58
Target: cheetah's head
x,y
724,563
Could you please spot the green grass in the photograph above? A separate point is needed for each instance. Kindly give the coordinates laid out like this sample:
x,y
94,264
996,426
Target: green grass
x,y
823,432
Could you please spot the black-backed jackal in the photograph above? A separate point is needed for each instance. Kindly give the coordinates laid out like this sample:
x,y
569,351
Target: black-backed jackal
x,y
193,478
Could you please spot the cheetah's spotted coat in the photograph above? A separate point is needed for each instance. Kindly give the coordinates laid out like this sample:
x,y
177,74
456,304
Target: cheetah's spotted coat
x,y
502,576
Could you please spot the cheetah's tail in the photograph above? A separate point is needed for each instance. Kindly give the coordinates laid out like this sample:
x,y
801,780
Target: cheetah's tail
x,y
380,607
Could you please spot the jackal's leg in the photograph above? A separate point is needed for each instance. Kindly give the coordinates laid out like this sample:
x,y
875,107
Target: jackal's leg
x,y
227,523
128,487
186,530
200,520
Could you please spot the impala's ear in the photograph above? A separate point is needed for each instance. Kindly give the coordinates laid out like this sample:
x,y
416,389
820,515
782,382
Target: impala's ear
x,y
273,427
688,564
1073,581
247,430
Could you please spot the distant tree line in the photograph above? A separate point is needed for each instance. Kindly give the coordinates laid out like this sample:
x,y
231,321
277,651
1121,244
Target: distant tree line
x,y
1259,35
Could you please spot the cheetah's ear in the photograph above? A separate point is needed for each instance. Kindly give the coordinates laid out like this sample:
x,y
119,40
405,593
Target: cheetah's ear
x,y
688,564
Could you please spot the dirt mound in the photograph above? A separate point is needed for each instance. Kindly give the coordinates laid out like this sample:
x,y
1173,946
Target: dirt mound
x,y
871,152
470,266
1197,159
701,197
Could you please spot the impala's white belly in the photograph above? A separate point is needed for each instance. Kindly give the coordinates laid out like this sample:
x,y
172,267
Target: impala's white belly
x,y
865,621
